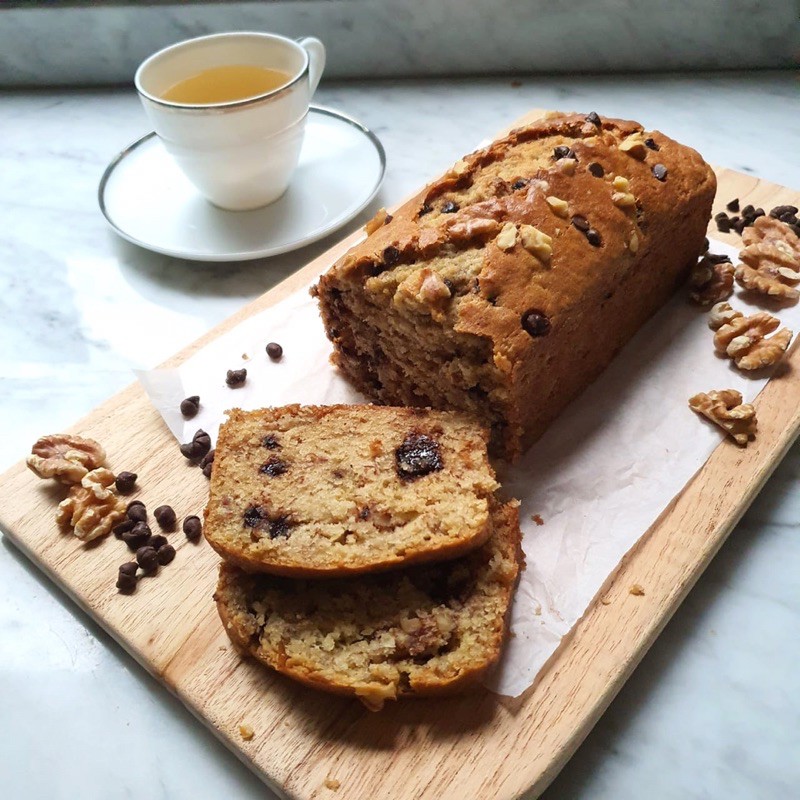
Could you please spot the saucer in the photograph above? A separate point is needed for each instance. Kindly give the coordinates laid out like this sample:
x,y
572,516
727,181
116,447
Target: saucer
x,y
148,201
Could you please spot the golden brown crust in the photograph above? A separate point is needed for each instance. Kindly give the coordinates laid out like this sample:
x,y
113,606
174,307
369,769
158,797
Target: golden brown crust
x,y
481,620
594,297
331,485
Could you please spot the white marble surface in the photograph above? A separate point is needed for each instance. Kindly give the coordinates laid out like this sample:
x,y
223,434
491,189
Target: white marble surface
x,y
97,43
714,709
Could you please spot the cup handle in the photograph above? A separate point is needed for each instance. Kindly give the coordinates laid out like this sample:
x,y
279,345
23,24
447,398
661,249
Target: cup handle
x,y
316,59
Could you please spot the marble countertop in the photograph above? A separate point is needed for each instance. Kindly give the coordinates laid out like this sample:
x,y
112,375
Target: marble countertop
x,y
713,711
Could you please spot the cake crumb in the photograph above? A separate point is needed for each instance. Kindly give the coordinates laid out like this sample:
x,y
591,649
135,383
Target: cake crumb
x,y
246,732
245,357
537,519
332,784
636,590
605,601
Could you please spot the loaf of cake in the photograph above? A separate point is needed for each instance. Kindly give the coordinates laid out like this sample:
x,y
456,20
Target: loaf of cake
x,y
320,491
505,287
431,629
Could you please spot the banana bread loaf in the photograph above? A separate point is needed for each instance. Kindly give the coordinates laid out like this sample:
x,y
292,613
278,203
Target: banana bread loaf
x,y
505,287
426,630
318,491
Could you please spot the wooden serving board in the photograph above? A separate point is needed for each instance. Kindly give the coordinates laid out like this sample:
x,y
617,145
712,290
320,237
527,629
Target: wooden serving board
x,y
477,746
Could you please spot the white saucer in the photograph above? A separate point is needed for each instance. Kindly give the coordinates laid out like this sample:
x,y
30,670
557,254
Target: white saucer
x,y
148,201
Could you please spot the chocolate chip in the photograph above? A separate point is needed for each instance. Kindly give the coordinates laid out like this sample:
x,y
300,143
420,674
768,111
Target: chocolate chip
x,y
157,541
733,205
136,511
723,224
716,258
138,536
594,238
593,117
207,464
126,583
254,516
125,482
417,456
426,209
596,169
660,172
147,558
739,224
581,223
128,568
165,554
748,211
198,447
190,406
280,528
391,255
706,244
270,442
192,527
236,377
562,151
651,143
720,215
535,323
450,207
519,183
364,513
759,212
165,517
123,527
274,467
274,351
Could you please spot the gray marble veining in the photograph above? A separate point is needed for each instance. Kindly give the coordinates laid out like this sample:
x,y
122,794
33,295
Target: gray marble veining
x,y
372,38
712,712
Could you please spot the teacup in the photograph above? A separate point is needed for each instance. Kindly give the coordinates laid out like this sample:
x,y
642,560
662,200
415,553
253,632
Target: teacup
x,y
239,154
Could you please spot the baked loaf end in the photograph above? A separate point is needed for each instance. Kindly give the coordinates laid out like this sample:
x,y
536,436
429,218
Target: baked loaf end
x,y
315,491
505,287
432,629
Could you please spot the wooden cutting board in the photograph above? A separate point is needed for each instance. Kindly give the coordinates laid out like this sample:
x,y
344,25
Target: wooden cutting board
x,y
478,746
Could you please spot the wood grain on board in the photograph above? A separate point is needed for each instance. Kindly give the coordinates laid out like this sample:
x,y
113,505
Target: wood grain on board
x,y
476,746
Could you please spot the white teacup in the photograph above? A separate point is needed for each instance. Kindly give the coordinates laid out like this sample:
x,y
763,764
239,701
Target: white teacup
x,y
239,154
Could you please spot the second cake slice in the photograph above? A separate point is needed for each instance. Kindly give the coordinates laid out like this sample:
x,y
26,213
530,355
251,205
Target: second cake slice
x,y
326,491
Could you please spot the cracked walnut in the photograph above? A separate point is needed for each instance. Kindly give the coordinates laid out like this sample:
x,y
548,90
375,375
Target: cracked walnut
x,y
725,408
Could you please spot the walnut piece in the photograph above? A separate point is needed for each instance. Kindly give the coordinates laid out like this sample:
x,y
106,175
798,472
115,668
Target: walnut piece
x,y
507,238
710,282
65,458
560,207
424,291
567,165
634,146
463,230
382,217
771,259
725,408
633,245
536,242
744,339
93,507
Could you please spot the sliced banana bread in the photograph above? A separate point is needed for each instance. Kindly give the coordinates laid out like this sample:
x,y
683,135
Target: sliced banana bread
x,y
426,630
323,491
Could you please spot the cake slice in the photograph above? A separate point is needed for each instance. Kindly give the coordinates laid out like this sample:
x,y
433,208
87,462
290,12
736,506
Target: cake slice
x,y
329,491
427,630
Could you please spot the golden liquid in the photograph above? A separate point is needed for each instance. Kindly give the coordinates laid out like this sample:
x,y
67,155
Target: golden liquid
x,y
226,84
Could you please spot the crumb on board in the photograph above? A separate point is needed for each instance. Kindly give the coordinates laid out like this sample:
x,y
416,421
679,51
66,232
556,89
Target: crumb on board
x,y
636,590
246,732
245,357
605,601
332,784
537,519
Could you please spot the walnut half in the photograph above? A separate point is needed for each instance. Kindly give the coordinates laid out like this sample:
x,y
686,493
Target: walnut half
x,y
92,508
710,282
771,259
65,458
725,408
744,339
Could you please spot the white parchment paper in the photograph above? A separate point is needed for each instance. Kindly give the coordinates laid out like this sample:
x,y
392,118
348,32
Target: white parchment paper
x,y
598,479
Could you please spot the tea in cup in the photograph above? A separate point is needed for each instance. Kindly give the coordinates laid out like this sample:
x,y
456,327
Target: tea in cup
x,y
231,110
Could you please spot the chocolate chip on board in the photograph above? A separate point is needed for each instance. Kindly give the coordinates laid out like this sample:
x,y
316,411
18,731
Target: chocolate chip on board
x,y
128,568
236,377
190,406
147,558
126,583
165,517
192,527
274,351
125,482
137,511
207,464
733,205
166,554
124,527
157,541
137,537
